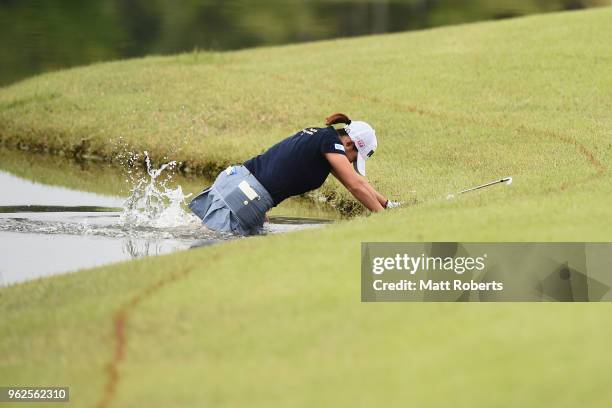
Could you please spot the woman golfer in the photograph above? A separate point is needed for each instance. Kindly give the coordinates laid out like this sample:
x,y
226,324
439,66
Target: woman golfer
x,y
242,194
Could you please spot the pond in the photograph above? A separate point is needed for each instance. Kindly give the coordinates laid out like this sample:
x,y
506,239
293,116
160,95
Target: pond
x,y
59,216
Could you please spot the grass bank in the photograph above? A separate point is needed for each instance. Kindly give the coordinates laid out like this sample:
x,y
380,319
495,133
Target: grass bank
x,y
277,320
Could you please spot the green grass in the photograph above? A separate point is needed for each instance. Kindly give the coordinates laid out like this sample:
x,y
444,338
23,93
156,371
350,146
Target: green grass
x,y
277,320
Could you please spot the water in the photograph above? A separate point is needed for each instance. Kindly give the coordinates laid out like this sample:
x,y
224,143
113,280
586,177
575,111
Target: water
x,y
49,229
44,35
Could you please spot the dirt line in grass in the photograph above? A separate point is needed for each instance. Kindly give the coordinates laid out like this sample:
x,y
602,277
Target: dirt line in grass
x,y
120,327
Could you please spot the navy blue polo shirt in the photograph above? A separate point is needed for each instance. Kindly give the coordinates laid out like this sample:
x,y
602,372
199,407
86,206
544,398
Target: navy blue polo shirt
x,y
297,164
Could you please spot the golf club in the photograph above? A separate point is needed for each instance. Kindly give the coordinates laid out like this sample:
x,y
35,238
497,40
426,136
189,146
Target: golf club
x,y
505,180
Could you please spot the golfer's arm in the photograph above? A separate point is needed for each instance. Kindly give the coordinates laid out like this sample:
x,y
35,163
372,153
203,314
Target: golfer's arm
x,y
381,198
356,185
361,190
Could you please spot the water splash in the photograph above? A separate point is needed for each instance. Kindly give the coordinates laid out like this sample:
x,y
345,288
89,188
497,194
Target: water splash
x,y
152,203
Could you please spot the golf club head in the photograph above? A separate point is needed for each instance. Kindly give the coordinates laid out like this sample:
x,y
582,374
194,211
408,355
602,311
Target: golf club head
x,y
507,180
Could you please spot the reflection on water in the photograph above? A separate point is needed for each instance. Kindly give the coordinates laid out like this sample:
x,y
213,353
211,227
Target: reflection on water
x,y
18,191
49,34
27,256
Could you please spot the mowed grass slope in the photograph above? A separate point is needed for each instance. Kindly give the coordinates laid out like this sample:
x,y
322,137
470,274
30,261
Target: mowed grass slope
x,y
277,320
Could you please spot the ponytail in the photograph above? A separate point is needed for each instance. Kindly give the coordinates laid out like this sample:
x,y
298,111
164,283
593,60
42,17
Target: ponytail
x,y
337,118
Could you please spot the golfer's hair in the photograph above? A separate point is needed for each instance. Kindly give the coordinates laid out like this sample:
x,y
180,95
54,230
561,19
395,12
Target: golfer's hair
x,y
337,118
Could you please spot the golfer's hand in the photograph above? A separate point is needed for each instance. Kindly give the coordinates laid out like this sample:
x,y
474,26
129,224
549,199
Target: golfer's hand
x,y
393,204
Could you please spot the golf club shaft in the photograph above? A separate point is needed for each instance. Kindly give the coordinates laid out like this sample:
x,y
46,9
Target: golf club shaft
x,y
506,180
482,186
